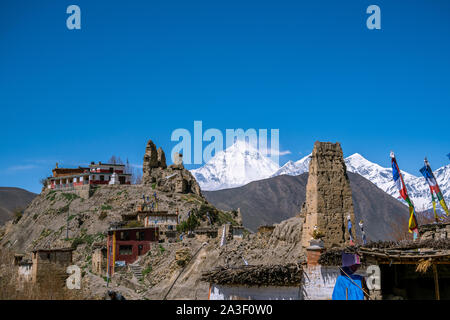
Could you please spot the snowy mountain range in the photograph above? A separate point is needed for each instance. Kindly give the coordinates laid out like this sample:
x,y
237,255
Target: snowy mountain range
x,y
241,164
238,165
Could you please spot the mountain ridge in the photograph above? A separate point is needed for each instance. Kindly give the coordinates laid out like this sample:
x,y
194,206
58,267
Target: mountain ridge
x,y
275,199
12,198
212,177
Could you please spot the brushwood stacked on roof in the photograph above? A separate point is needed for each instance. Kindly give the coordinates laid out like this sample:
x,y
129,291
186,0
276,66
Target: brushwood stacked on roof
x,y
258,275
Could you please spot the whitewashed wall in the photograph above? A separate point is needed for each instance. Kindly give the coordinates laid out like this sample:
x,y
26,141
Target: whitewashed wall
x,y
24,272
318,282
222,292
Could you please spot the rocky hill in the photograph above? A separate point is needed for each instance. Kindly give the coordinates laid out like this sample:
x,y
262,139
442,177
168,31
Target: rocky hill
x,y
12,199
66,218
273,200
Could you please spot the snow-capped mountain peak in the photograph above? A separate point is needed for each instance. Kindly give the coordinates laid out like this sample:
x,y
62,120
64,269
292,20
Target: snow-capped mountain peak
x,y
418,189
294,168
239,164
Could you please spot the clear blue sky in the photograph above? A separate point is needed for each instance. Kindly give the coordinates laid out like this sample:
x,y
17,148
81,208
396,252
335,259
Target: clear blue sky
x,y
140,69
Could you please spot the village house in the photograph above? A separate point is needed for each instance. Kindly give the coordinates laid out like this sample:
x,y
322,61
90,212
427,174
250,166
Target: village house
x,y
237,232
407,270
125,245
208,232
96,174
51,263
163,220
259,282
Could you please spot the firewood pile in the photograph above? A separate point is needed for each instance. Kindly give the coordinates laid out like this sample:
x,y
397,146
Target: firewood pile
x,y
333,257
432,248
257,275
432,226
436,244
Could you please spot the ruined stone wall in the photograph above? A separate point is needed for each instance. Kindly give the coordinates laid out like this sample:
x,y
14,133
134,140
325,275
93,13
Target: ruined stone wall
x,y
328,196
434,231
99,262
173,178
51,265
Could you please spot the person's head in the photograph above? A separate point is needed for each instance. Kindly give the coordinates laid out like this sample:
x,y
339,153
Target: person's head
x,y
349,269
354,267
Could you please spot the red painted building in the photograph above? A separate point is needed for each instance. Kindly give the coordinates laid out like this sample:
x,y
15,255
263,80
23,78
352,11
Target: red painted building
x,y
127,244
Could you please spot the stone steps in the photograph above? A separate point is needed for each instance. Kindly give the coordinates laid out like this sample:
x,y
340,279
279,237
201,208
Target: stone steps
x,y
136,270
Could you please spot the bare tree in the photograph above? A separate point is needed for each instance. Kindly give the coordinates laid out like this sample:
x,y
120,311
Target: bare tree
x,y
137,176
112,160
115,160
44,182
128,168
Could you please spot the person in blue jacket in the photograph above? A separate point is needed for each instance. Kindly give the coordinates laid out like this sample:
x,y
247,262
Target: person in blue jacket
x,y
349,286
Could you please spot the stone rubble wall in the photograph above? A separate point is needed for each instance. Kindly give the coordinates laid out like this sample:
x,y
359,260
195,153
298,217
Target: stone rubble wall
x,y
328,196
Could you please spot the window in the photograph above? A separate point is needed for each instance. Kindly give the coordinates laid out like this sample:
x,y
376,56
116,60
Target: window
x,y
124,235
102,178
140,235
125,250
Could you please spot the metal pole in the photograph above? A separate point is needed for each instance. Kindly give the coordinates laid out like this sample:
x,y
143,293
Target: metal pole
x,y
67,225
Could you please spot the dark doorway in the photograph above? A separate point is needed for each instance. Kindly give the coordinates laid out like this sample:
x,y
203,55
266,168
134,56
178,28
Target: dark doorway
x,y
402,280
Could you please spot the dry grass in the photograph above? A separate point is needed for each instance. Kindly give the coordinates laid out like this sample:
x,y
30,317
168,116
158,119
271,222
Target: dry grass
x,y
423,265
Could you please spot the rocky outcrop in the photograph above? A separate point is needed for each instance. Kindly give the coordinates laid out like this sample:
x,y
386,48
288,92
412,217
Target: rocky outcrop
x,y
173,178
150,162
161,158
289,231
328,197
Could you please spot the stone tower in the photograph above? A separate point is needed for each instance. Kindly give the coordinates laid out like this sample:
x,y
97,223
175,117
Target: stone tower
x,y
328,197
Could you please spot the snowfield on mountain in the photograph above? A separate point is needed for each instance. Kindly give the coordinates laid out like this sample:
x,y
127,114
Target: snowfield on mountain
x,y
237,165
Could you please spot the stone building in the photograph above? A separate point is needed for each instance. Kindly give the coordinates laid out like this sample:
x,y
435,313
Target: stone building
x,y
51,263
99,259
328,197
403,270
163,220
258,282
